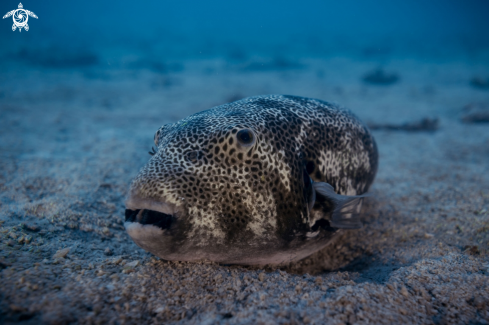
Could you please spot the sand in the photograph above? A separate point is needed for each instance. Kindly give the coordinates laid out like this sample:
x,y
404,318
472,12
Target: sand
x,y
71,139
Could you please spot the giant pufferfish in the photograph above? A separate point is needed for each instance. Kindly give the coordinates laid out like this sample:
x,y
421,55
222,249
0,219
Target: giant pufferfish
x,y
262,180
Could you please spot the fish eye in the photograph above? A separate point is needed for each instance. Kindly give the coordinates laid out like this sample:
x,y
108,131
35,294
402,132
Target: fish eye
x,y
193,156
245,137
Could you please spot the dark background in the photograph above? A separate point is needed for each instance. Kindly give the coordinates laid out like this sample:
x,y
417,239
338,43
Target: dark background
x,y
239,28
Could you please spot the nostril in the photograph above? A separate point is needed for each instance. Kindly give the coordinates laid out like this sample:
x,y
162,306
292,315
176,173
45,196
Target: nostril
x,y
131,215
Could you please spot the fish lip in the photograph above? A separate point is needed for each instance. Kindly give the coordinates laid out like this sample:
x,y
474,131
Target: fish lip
x,y
148,212
134,202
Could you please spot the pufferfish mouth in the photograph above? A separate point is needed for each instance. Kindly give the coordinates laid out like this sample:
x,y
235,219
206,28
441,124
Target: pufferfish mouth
x,y
149,217
149,212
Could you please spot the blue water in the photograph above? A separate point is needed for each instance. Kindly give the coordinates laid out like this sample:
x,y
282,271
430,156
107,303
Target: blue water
x,y
240,28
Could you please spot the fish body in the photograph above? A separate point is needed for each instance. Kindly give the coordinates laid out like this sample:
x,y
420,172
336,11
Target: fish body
x,y
263,180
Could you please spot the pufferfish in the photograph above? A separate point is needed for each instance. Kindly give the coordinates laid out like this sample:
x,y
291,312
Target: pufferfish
x,y
262,180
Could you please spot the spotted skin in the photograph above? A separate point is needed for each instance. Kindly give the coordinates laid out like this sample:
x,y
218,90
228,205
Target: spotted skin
x,y
246,203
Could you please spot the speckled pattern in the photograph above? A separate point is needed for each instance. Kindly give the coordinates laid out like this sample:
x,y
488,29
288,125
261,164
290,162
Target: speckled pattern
x,y
72,140
237,202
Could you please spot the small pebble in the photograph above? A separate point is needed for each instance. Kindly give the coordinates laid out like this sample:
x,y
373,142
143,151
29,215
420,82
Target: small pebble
x,y
116,260
16,308
61,253
129,267
404,292
33,228
132,264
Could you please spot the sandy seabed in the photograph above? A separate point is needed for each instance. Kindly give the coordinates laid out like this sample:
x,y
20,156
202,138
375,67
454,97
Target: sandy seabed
x,y
72,139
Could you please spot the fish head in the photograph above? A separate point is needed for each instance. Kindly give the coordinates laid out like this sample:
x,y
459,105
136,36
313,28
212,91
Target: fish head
x,y
226,185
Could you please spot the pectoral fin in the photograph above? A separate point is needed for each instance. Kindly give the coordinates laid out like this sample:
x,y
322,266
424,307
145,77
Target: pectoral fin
x,y
345,209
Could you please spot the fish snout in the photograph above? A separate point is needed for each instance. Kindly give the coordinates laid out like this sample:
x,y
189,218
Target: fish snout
x,y
151,223
149,217
148,211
